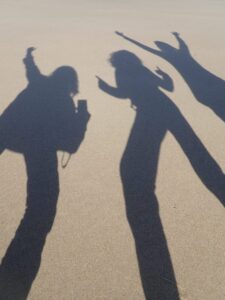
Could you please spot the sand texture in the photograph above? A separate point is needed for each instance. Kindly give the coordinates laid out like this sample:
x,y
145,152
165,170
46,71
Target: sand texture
x,y
138,213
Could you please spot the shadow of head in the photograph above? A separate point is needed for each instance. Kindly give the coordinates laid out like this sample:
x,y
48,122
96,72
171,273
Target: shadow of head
x,y
65,80
125,59
164,47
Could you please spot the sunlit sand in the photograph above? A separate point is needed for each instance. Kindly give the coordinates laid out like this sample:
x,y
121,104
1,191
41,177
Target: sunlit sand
x,y
90,251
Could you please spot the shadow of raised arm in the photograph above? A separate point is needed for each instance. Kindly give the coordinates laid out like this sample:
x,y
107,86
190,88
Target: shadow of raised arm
x,y
147,48
165,50
32,71
165,81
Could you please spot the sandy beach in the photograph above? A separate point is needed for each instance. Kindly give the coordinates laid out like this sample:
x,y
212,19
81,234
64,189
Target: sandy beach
x,y
99,244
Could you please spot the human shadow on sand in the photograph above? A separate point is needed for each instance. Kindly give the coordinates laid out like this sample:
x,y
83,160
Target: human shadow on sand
x,y
207,88
40,121
155,115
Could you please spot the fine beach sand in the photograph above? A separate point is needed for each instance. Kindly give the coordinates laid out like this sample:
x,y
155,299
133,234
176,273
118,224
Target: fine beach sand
x,y
90,251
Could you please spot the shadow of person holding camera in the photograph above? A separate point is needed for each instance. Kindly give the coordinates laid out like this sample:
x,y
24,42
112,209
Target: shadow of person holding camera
x,y
207,88
156,114
39,122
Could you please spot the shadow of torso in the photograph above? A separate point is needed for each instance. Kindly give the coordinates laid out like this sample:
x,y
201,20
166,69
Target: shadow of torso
x,y
36,119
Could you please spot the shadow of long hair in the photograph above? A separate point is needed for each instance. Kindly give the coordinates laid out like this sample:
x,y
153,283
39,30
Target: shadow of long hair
x,y
39,122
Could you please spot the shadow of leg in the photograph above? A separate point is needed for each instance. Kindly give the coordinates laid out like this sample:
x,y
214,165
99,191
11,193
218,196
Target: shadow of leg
x,y
154,260
22,260
138,174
